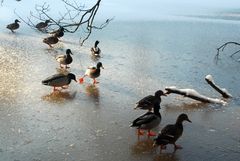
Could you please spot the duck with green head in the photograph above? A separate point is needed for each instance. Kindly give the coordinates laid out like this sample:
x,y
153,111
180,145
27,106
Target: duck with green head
x,y
96,50
13,26
148,121
65,59
92,72
59,80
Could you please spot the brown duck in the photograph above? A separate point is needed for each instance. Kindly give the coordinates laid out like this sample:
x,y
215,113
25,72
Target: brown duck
x,y
13,26
42,25
51,40
171,133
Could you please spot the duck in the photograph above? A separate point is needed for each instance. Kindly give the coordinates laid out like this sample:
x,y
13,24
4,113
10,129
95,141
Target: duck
x,y
58,33
14,26
92,72
148,121
42,25
65,59
51,40
148,102
59,80
96,50
171,133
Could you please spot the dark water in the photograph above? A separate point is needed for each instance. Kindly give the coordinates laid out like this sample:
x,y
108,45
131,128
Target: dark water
x,y
87,122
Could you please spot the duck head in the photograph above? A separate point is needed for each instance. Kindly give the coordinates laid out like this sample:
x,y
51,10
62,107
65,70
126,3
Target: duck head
x,y
47,21
96,43
61,29
72,76
16,21
183,117
68,51
99,64
160,93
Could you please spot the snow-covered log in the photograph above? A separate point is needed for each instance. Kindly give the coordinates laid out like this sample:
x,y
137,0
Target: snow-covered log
x,y
191,93
222,91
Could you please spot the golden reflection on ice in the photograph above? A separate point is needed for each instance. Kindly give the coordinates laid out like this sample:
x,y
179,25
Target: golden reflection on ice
x,y
59,96
92,90
143,146
11,74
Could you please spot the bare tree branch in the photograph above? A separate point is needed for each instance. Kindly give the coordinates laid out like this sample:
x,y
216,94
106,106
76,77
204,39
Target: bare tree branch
x,y
75,17
222,91
222,47
193,94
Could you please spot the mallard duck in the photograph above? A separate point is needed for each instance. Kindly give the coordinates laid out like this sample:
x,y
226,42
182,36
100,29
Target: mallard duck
x,y
58,33
148,121
13,26
96,50
92,72
42,25
65,59
51,40
148,102
59,80
170,133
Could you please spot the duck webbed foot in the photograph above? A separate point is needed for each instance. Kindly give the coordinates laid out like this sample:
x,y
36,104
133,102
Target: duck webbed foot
x,y
177,146
151,133
140,132
55,89
95,81
81,80
163,147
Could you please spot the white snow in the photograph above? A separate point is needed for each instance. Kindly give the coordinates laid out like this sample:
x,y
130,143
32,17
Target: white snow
x,y
209,78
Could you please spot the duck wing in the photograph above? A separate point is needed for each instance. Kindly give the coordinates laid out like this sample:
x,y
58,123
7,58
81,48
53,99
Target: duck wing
x,y
41,25
90,70
168,135
144,119
95,50
146,103
57,80
13,26
61,58
50,40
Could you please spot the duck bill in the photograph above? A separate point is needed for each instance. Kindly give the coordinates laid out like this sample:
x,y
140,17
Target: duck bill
x,y
71,53
189,120
102,67
165,94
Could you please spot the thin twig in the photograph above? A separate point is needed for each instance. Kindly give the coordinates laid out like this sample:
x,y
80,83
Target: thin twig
x,y
75,17
222,47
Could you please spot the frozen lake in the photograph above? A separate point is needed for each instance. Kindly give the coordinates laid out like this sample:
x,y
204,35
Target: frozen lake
x,y
91,122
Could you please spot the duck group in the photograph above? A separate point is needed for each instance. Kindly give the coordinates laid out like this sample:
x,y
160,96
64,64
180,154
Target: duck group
x,y
150,120
145,122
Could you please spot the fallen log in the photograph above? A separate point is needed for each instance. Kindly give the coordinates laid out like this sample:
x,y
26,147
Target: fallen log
x,y
222,91
191,93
